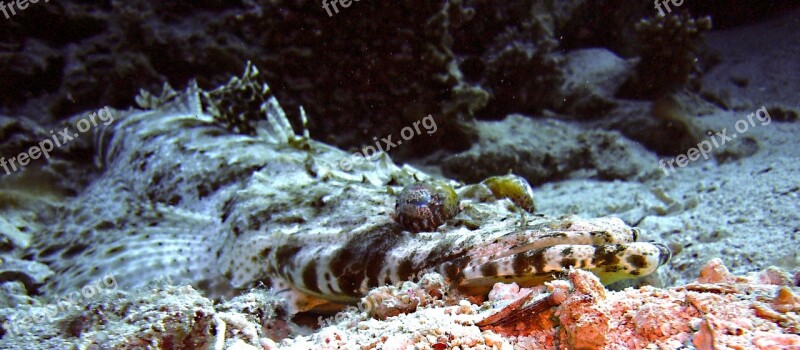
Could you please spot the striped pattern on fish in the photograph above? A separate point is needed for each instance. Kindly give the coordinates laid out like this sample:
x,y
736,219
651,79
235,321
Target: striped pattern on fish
x,y
217,190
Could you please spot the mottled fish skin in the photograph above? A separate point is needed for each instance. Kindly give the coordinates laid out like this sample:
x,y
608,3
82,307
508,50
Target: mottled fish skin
x,y
197,191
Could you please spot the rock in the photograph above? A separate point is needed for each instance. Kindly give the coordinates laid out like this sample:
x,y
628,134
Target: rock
x,y
584,321
548,150
715,272
592,78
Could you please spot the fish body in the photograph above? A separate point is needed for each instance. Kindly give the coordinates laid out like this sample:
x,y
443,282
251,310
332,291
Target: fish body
x,y
216,189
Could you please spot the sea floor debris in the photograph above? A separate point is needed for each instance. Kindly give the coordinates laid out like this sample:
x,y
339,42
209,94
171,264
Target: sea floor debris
x,y
717,311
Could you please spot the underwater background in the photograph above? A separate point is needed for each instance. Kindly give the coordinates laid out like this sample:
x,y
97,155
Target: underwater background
x,y
239,174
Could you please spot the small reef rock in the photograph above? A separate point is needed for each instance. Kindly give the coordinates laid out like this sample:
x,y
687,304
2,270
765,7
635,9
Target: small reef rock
x,y
548,150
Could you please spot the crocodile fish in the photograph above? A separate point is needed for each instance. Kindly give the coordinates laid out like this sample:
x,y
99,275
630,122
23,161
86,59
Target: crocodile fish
x,y
215,189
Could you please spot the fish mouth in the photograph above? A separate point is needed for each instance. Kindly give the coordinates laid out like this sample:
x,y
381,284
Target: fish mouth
x,y
665,254
603,246
610,262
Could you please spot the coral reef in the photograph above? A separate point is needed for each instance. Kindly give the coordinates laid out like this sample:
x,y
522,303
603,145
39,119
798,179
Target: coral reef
x,y
521,72
449,59
669,47
118,48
